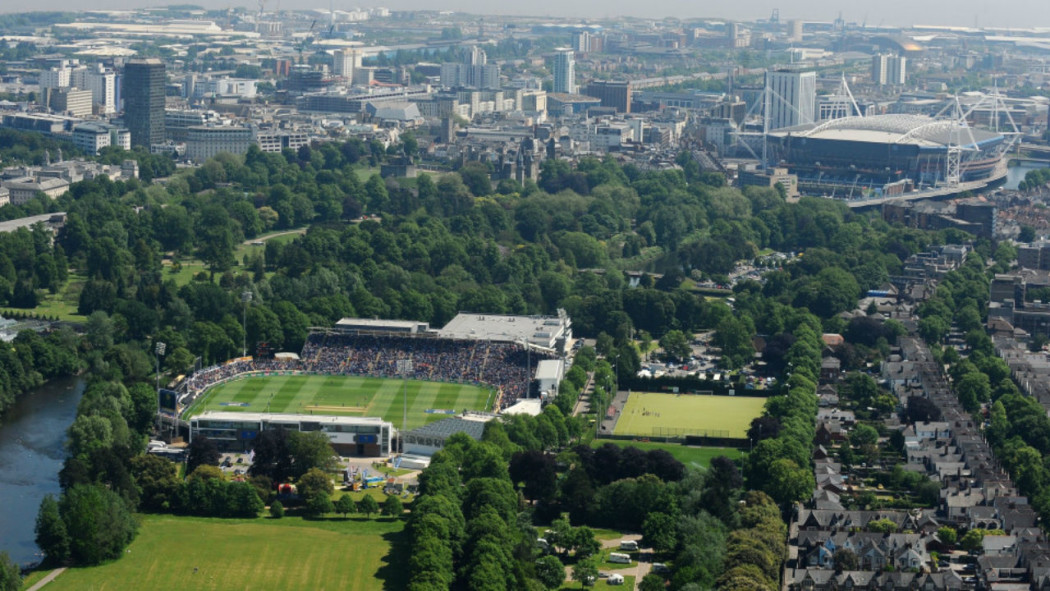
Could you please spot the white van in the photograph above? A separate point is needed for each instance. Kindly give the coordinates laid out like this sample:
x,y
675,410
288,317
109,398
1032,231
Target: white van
x,y
629,545
619,558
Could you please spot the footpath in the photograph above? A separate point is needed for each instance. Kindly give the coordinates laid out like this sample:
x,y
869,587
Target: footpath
x,y
50,577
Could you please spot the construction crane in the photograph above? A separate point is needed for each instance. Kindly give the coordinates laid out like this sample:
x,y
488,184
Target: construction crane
x,y
305,41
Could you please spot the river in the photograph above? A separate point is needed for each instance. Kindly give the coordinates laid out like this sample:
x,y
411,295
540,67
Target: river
x,y
1015,175
32,438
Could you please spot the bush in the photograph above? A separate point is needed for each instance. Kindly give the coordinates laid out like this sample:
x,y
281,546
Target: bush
x,y
276,510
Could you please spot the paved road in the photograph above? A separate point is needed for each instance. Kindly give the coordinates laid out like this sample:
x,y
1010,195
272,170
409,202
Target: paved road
x,y
50,577
266,237
583,403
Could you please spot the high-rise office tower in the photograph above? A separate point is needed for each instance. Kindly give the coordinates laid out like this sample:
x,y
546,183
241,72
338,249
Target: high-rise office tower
x,y
889,69
102,84
476,56
55,78
565,70
144,81
791,98
345,62
473,72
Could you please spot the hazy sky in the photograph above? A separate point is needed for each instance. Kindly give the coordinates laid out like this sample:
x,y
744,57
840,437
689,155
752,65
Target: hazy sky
x,y
997,13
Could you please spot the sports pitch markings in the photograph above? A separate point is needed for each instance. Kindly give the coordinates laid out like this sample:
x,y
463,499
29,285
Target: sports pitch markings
x,y
344,396
648,414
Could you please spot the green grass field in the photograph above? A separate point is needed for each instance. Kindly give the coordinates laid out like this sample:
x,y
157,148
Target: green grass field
x,y
648,414
357,554
343,396
693,457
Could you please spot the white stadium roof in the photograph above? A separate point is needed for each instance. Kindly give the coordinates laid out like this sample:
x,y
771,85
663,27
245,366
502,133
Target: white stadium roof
x,y
920,130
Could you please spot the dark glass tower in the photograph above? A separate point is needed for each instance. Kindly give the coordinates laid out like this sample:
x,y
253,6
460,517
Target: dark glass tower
x,y
144,82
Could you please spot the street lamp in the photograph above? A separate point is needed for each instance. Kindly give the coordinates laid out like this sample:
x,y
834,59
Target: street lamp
x,y
246,297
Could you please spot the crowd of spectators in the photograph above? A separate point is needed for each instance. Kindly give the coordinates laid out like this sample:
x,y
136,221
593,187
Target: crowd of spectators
x,y
505,366
201,380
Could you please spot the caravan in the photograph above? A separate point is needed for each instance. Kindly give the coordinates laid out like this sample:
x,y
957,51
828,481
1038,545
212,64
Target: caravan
x,y
629,545
619,558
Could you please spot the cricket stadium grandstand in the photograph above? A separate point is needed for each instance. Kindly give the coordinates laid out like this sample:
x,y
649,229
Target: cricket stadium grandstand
x,y
359,378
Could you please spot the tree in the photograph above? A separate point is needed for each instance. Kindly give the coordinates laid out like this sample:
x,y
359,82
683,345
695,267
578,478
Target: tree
x,y
676,345
972,540
392,507
864,435
947,535
973,389
10,574
276,510
310,450
51,534
315,483
882,526
156,480
318,505
99,523
272,455
536,470
550,572
651,582
344,505
584,542
845,559
585,571
660,532
368,505
215,235
202,452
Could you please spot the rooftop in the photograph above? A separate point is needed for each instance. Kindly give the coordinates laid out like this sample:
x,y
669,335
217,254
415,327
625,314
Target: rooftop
x,y
538,330
450,426
920,130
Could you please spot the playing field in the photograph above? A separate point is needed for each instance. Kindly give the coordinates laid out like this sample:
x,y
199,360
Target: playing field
x,y
344,396
672,415
290,553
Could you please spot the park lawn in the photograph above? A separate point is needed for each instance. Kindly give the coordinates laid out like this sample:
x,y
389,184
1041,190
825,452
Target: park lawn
x,y
277,236
365,172
606,534
344,396
649,414
605,565
693,457
356,554
189,267
62,304
33,577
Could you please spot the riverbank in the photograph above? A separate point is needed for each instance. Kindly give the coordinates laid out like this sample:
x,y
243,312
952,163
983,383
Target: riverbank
x,y
32,450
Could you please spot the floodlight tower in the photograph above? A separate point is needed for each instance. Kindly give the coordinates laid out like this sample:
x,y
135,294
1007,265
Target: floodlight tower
x,y
246,298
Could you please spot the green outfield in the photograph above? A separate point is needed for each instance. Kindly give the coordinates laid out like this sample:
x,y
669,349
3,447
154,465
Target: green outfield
x,y
357,554
344,396
649,414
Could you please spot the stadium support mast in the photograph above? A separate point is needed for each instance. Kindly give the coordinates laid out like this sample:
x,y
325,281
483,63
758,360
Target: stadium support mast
x,y
766,100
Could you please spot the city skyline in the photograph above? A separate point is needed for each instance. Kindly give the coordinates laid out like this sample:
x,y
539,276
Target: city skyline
x,y
1024,14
